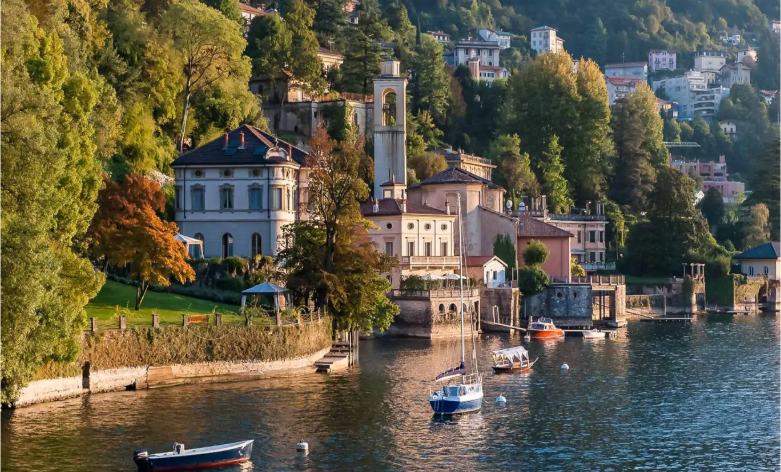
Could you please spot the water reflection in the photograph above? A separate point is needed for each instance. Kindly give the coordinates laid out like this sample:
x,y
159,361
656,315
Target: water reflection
x,y
703,396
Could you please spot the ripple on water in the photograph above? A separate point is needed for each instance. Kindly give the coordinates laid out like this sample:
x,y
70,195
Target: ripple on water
x,y
698,397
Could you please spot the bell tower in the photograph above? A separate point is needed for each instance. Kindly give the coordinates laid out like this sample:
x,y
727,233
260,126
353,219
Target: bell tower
x,y
390,132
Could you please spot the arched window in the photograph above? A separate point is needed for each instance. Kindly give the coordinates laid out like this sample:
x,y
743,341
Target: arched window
x,y
389,108
452,308
194,250
441,307
227,245
256,247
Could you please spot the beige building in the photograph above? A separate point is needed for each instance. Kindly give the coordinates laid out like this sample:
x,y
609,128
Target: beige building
x,y
545,39
709,63
479,166
747,52
421,237
735,73
481,207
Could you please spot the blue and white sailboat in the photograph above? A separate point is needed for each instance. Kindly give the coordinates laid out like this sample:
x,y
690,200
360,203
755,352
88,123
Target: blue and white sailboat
x,y
466,395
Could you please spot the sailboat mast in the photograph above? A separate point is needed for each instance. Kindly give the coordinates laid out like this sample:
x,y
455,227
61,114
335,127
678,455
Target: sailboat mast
x,y
461,273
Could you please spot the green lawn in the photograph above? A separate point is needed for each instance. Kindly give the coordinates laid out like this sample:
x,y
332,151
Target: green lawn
x,y
169,306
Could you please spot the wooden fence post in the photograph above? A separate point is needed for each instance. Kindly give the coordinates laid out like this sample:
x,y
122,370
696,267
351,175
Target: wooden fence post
x,y
93,325
218,319
123,323
155,320
185,320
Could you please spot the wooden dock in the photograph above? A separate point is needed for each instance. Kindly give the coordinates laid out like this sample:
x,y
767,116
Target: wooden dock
x,y
337,359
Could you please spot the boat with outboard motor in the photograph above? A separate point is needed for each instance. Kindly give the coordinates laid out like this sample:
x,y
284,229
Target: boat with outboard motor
x,y
544,328
466,395
199,458
512,360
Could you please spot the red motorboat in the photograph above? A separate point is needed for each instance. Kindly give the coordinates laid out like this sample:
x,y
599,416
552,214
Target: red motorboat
x,y
544,328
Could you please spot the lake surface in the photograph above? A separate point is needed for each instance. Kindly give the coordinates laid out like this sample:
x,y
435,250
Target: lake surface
x,y
703,396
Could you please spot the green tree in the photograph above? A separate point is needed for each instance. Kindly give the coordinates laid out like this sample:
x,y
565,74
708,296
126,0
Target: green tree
x,y
395,13
331,255
504,249
670,213
513,168
330,19
535,254
363,52
637,130
285,51
229,8
765,184
598,41
755,226
427,164
554,184
532,280
50,176
209,48
672,131
617,226
429,84
712,207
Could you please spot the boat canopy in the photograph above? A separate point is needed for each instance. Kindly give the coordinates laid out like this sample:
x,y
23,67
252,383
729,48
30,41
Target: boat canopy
x,y
512,353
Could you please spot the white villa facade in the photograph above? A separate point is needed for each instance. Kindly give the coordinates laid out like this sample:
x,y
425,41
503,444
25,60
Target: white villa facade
x,y
237,192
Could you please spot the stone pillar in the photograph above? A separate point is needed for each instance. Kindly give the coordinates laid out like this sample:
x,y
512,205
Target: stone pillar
x,y
218,319
185,320
123,323
93,324
155,320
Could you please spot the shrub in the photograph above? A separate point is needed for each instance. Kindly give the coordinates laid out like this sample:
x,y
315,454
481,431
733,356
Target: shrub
x,y
532,280
230,284
236,264
535,254
413,282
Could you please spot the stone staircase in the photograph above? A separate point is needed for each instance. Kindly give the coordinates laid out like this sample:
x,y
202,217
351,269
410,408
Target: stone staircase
x,y
337,359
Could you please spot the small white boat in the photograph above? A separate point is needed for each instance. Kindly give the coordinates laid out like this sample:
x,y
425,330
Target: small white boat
x,y
594,334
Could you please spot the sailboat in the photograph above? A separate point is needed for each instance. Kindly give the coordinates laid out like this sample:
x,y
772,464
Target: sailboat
x,y
466,394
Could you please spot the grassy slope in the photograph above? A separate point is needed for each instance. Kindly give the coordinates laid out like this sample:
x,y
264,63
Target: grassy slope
x,y
169,306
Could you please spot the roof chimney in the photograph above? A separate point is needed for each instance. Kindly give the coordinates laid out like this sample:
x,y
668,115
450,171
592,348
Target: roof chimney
x,y
289,152
241,140
226,140
447,206
376,208
404,202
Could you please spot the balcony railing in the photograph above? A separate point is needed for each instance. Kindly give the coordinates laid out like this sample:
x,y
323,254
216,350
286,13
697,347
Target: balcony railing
x,y
429,294
593,266
429,261
590,280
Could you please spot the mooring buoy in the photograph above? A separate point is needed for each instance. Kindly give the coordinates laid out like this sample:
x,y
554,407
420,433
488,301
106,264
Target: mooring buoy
x,y
302,446
565,366
500,399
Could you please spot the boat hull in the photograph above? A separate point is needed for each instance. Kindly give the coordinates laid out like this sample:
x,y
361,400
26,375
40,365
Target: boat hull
x,y
206,460
455,407
546,334
514,369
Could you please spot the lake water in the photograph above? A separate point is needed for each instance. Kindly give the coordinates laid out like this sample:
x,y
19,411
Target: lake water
x,y
703,396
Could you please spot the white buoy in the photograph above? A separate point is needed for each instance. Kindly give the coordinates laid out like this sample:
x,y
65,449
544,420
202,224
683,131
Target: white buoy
x,y
302,446
501,400
527,338
565,366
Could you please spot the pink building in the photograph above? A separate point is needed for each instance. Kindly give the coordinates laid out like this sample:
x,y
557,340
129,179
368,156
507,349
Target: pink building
x,y
556,240
660,59
731,191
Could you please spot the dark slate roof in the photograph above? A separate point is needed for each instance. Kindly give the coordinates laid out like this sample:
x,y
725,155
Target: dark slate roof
x,y
391,206
455,175
256,145
765,251
529,227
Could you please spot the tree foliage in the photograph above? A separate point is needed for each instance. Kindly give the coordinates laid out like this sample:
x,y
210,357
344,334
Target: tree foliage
x,y
554,184
127,232
504,249
712,207
755,226
513,168
51,163
535,254
638,133
331,255
427,164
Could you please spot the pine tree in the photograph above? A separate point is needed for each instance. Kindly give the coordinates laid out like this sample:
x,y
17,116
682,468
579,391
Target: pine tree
x,y
554,183
363,52
597,35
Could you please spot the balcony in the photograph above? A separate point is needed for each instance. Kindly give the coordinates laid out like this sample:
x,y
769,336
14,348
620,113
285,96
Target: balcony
x,y
414,262
431,294
595,266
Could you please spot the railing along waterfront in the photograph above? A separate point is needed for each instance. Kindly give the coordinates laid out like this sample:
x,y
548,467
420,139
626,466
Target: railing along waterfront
x,y
429,261
428,294
598,265
590,280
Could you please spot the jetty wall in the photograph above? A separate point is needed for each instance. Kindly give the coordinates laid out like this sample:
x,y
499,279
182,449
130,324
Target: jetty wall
x,y
113,360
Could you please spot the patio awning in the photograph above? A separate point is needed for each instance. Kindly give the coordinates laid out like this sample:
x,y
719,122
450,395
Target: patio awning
x,y
266,288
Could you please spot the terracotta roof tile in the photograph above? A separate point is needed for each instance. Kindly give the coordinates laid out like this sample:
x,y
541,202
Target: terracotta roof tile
x,y
529,227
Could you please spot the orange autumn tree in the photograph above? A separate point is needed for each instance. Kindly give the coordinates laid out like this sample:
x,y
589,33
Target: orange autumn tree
x,y
127,232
